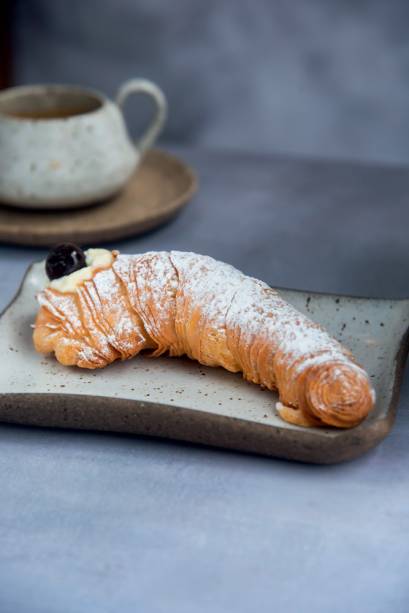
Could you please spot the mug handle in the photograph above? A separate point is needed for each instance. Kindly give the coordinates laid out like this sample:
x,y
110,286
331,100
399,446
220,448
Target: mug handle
x,y
143,86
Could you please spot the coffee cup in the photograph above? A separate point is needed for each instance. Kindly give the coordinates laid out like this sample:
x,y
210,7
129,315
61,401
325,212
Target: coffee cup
x,y
67,146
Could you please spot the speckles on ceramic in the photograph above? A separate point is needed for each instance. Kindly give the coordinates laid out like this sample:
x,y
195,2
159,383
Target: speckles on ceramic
x,y
181,399
49,161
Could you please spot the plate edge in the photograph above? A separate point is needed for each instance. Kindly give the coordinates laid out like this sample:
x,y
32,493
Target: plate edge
x,y
80,412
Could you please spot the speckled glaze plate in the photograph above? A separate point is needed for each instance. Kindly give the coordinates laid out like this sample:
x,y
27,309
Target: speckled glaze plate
x,y
180,399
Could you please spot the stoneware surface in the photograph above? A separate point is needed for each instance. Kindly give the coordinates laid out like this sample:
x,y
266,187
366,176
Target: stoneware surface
x,y
65,146
183,400
156,192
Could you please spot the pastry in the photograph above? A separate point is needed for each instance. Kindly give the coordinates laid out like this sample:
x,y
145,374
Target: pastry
x,y
107,306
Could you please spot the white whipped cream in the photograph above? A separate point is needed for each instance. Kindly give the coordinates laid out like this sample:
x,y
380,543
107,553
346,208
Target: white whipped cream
x,y
95,259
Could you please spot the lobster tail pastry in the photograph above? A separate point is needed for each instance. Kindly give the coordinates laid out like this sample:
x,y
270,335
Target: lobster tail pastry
x,y
186,304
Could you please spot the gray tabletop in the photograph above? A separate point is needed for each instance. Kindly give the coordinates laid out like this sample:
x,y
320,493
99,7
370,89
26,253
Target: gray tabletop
x,y
105,523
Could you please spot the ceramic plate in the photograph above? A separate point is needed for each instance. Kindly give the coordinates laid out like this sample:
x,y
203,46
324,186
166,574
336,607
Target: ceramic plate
x,y
180,399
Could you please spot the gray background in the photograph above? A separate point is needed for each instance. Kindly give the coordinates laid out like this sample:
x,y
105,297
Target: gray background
x,y
321,77
98,523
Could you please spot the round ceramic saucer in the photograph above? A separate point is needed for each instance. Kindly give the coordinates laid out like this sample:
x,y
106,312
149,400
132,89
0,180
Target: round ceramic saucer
x,y
160,187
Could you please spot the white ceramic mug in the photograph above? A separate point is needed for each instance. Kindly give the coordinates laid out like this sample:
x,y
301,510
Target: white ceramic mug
x,y
66,146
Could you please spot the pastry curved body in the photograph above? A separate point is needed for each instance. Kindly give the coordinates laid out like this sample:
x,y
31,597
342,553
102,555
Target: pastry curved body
x,y
186,304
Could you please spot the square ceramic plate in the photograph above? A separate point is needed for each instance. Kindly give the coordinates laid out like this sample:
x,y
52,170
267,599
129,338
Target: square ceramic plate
x,y
180,399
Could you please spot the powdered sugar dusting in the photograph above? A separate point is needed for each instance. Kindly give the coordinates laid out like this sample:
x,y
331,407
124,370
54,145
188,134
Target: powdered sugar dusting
x,y
206,290
258,310
185,303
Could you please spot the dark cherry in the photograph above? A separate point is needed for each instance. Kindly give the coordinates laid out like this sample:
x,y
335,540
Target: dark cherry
x,y
64,259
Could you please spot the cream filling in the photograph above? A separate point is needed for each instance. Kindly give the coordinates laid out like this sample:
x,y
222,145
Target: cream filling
x,y
94,258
